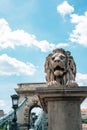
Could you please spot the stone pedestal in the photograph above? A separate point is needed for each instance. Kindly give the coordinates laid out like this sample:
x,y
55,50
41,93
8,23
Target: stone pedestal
x,y
62,106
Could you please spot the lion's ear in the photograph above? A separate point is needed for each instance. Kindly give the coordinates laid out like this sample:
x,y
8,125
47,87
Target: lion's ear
x,y
68,53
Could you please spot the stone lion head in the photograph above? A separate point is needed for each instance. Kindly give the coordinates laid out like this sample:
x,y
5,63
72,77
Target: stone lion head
x,y
60,68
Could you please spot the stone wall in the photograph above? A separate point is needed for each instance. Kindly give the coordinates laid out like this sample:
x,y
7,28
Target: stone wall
x,y
27,90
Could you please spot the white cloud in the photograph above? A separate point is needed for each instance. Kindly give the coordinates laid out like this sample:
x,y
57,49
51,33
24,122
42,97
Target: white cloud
x,y
79,34
60,45
65,8
5,106
11,66
84,104
2,103
46,46
81,79
9,38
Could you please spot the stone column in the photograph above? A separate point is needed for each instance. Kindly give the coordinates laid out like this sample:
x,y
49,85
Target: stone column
x,y
62,106
64,115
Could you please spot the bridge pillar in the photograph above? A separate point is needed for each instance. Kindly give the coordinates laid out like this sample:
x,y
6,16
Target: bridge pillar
x,y
62,106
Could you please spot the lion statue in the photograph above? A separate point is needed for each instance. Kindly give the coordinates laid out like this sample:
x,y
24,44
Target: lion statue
x,y
60,69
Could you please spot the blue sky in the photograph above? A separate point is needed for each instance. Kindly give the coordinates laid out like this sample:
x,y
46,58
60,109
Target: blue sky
x,y
29,31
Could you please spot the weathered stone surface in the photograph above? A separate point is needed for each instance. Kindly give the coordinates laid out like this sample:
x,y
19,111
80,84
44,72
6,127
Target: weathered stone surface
x,y
27,90
64,115
60,69
62,106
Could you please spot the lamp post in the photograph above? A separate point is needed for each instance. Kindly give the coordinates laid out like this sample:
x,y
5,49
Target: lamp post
x,y
14,106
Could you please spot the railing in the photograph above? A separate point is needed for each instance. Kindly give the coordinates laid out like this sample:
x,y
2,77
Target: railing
x,y
41,122
10,115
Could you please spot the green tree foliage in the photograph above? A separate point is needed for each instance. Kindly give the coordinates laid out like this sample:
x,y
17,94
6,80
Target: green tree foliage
x,y
84,121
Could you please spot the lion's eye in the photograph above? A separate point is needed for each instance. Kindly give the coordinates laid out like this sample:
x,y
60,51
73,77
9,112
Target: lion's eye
x,y
53,58
62,57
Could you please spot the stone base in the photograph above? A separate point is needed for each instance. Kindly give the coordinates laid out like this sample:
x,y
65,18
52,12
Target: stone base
x,y
62,106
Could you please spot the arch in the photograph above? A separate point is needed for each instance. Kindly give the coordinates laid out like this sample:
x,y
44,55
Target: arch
x,y
33,113
32,102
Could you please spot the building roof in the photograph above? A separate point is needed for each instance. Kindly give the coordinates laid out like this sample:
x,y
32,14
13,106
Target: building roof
x,y
84,110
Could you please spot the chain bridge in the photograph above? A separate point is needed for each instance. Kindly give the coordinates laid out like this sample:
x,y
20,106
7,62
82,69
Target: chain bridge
x,y
30,115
